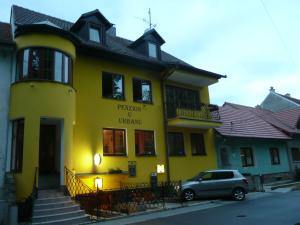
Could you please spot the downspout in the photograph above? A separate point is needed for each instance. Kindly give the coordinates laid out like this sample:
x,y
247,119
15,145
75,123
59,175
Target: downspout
x,y
165,76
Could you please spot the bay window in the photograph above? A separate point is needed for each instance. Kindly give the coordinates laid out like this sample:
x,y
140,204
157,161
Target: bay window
x,y
43,64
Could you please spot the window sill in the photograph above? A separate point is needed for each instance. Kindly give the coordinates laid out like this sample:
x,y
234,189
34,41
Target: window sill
x,y
121,155
142,102
146,155
176,155
41,81
199,154
111,98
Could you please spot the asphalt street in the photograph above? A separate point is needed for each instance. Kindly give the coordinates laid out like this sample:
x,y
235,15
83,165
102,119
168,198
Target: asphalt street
x,y
278,209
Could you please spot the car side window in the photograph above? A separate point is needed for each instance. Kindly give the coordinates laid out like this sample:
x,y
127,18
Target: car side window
x,y
223,175
207,176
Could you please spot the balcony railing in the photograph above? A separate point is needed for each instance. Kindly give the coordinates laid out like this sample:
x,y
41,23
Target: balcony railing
x,y
202,112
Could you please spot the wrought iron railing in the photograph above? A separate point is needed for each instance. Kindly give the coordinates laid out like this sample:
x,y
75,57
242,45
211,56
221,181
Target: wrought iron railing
x,y
201,112
25,207
130,198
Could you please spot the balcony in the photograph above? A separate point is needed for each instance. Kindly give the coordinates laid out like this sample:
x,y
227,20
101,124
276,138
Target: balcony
x,y
202,116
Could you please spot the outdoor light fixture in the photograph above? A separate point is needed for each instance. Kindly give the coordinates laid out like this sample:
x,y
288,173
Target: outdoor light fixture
x,y
98,182
97,159
160,168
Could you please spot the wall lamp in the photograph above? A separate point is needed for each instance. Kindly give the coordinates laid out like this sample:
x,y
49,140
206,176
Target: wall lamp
x,y
97,159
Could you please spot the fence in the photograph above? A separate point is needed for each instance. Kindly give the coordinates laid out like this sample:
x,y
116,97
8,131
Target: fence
x,y
130,198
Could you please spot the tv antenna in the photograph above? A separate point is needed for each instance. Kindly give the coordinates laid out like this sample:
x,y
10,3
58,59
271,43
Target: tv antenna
x,y
148,21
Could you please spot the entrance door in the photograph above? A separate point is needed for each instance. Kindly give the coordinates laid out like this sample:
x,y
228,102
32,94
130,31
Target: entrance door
x,y
48,157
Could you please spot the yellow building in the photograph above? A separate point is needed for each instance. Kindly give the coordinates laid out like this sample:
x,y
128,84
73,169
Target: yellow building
x,y
82,94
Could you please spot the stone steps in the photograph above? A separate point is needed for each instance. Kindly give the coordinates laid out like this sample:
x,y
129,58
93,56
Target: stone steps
x,y
53,208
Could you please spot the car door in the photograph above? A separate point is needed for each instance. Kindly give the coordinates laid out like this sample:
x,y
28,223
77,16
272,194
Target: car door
x,y
206,185
223,183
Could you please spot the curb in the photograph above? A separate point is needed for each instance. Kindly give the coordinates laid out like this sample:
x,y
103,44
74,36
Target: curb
x,y
285,185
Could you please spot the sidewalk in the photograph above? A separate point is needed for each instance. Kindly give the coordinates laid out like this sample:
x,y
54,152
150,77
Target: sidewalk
x,y
172,209
281,186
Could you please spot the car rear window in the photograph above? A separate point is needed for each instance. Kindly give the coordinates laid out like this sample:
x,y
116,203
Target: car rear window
x,y
223,175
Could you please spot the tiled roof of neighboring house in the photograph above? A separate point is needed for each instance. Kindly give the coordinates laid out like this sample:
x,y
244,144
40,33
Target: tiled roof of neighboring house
x,y
291,117
5,33
241,121
115,44
297,101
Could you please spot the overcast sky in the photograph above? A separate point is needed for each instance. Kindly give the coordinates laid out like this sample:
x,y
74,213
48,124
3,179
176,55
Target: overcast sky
x,y
256,43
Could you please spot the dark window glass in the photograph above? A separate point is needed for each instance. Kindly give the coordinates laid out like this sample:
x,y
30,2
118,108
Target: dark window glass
x,y
222,175
175,144
17,145
43,64
247,157
198,145
114,142
112,86
274,154
142,91
207,176
224,157
295,154
181,98
144,142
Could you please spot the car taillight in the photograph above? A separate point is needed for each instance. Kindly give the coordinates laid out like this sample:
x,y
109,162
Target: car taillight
x,y
245,181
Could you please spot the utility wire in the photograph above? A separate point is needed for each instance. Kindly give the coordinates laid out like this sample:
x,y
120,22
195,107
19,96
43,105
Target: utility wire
x,y
278,33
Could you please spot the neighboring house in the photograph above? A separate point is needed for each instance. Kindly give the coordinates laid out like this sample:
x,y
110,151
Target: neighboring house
x,y
278,102
250,143
80,91
291,118
6,61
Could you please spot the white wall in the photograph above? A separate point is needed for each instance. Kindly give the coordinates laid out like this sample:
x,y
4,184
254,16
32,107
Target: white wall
x,y
5,80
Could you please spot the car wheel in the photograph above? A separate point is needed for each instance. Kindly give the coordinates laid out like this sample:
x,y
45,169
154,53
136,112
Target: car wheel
x,y
188,195
238,194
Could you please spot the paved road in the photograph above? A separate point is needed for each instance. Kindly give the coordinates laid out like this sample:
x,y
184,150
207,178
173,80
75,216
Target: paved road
x,y
278,209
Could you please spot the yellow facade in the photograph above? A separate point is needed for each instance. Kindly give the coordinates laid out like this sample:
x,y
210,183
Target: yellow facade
x,y
85,113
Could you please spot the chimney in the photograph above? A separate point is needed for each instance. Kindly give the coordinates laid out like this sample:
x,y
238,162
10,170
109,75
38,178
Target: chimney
x,y
112,31
272,89
288,95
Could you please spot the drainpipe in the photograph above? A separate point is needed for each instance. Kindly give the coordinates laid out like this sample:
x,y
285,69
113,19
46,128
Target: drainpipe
x,y
166,74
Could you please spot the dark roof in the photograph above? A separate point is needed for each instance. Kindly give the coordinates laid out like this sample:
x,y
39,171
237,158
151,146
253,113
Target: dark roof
x,y
147,33
5,33
24,16
290,117
240,121
297,101
116,46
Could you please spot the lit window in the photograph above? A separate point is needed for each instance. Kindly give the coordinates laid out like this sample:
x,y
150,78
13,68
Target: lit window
x,y
142,91
152,50
114,142
94,35
112,86
144,142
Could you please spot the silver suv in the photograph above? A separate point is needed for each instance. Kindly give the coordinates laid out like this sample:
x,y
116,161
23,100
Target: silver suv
x,y
216,183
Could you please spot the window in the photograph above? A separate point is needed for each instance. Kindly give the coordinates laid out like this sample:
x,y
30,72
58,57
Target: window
x,y
112,86
247,157
175,144
223,175
114,142
198,146
295,154
43,64
144,142
17,145
207,176
275,158
152,50
94,34
183,98
142,91
224,157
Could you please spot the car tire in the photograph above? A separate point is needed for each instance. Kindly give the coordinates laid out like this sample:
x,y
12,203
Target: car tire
x,y
188,195
238,194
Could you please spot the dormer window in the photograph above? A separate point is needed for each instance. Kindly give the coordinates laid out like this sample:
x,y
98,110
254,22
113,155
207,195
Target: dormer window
x,y
94,34
152,50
